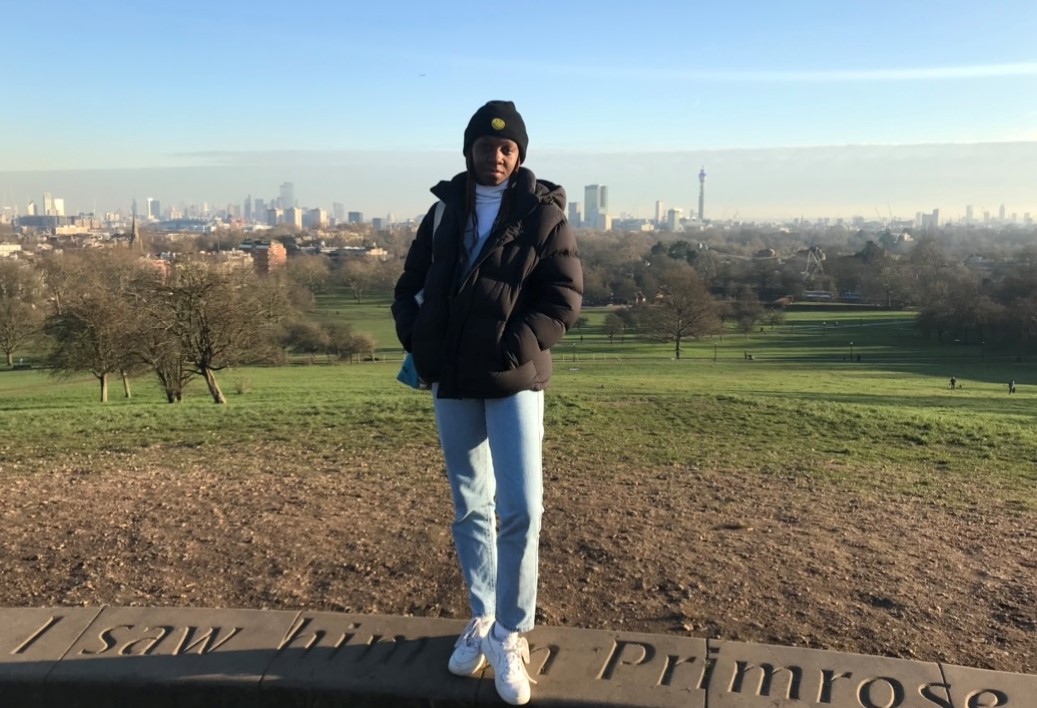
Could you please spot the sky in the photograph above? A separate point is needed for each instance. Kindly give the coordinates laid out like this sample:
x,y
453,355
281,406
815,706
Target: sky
x,y
813,108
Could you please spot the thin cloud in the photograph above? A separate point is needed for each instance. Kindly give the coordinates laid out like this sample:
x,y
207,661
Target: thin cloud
x,y
302,157
333,157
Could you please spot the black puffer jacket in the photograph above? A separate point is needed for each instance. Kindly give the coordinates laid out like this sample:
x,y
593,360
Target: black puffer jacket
x,y
489,335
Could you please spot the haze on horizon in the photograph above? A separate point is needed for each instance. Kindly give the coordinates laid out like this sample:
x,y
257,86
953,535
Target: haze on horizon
x,y
817,109
760,185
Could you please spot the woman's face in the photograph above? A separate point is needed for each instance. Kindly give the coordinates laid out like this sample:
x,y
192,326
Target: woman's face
x,y
493,160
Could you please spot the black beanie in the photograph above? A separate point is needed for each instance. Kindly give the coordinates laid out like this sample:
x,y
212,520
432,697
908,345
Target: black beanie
x,y
499,119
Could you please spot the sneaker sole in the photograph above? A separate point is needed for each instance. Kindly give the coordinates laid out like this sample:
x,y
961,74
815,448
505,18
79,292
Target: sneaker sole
x,y
478,667
516,701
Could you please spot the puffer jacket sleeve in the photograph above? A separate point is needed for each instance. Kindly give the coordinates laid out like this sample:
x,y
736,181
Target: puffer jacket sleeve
x,y
412,281
551,300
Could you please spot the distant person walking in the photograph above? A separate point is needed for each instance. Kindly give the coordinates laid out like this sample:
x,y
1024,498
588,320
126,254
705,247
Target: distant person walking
x,y
954,382
479,305
1011,386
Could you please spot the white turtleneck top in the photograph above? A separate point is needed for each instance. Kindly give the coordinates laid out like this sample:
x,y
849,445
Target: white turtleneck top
x,y
487,206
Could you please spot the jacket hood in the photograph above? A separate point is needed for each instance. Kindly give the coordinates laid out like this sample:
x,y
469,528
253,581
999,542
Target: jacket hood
x,y
528,186
551,193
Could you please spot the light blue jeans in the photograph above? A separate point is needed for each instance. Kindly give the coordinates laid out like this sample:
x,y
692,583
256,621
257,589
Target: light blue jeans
x,y
493,452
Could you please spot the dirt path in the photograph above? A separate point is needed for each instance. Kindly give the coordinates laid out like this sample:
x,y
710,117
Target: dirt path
x,y
705,553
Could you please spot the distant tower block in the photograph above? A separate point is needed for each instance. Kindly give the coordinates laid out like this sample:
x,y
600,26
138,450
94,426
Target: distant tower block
x,y
702,194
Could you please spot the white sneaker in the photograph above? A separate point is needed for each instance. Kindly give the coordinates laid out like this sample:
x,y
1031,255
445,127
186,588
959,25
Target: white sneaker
x,y
468,657
508,659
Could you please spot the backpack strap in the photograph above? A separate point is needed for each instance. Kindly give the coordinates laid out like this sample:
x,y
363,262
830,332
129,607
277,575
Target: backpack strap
x,y
436,218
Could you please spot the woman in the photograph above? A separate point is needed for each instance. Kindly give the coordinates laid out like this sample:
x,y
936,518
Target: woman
x,y
479,305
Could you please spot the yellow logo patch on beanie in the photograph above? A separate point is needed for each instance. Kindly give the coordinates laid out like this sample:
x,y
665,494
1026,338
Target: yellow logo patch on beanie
x,y
497,123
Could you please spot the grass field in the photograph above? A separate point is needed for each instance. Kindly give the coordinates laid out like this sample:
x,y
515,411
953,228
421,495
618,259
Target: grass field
x,y
800,498
814,334
803,403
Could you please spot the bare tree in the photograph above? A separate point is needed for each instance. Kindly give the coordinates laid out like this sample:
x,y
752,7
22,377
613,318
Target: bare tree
x,y
927,269
344,343
892,281
21,314
92,324
685,310
309,272
219,317
63,274
89,334
363,346
775,316
307,337
359,275
747,310
151,343
172,371
596,288
707,266
614,326
341,340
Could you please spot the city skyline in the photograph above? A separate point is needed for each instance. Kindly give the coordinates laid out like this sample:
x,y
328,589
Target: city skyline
x,y
811,108
744,185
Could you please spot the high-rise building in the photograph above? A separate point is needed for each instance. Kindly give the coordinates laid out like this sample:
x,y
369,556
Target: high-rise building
x,y
356,217
590,206
48,204
702,194
968,214
673,219
574,213
293,217
595,206
259,211
338,211
267,258
287,195
248,209
315,219
660,213
154,209
59,206
1001,214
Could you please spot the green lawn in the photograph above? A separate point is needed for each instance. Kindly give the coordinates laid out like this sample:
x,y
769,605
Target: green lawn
x,y
371,316
855,424
799,406
813,334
